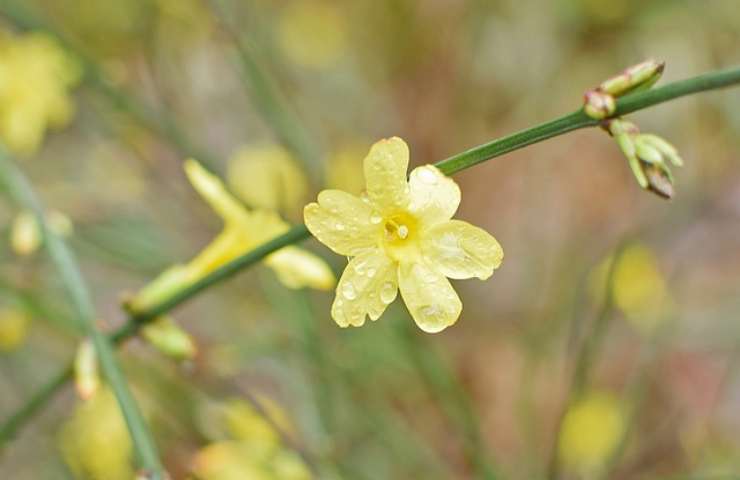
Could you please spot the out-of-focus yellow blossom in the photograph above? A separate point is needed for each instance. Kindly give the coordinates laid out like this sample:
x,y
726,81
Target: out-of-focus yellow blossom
x,y
35,78
312,33
13,328
243,230
252,449
639,288
591,430
243,422
232,460
400,235
25,233
167,337
342,168
267,176
95,442
87,378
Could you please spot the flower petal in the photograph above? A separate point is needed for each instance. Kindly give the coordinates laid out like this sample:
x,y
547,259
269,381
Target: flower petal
x,y
460,250
434,196
429,297
368,285
212,189
297,268
385,174
343,222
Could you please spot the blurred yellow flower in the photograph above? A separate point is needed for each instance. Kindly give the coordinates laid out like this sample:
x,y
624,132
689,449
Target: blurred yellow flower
x,y
400,235
232,460
591,430
25,233
267,176
639,288
253,447
95,442
243,422
243,231
35,78
312,33
13,328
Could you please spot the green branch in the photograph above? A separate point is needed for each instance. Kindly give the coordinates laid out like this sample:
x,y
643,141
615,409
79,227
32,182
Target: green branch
x,y
449,166
64,260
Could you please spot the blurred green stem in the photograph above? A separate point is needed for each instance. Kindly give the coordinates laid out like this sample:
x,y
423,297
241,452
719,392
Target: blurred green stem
x,y
63,258
585,357
446,389
449,166
269,100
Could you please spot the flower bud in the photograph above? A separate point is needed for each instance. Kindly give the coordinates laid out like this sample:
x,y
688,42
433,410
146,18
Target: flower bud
x,y
646,155
167,337
87,379
637,77
25,235
598,104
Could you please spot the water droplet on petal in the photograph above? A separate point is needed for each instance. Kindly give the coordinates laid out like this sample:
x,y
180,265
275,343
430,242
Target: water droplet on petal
x,y
339,226
376,219
388,292
371,272
428,176
403,231
348,290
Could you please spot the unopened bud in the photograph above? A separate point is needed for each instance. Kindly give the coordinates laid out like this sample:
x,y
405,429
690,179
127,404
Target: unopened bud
x,y
87,379
646,155
598,104
25,235
170,339
637,77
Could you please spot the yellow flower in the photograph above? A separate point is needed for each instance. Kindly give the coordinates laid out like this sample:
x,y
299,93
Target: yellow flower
x,y
95,442
243,230
591,429
400,235
268,177
35,76
13,328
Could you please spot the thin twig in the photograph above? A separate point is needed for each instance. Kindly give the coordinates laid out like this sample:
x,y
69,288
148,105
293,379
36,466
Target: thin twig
x,y
64,260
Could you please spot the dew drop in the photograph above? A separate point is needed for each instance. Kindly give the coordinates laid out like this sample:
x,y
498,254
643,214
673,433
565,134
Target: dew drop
x,y
348,290
403,231
376,219
428,176
339,226
388,292
371,272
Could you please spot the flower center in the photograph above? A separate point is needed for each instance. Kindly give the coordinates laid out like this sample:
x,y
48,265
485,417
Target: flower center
x,y
400,235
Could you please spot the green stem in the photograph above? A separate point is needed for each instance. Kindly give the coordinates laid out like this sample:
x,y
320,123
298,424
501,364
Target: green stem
x,y
449,166
269,100
64,260
585,357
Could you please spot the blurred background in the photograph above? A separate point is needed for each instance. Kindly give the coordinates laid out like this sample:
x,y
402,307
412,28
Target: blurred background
x,y
606,346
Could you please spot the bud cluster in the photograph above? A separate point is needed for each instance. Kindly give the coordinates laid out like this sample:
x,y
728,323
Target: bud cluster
x,y
647,154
